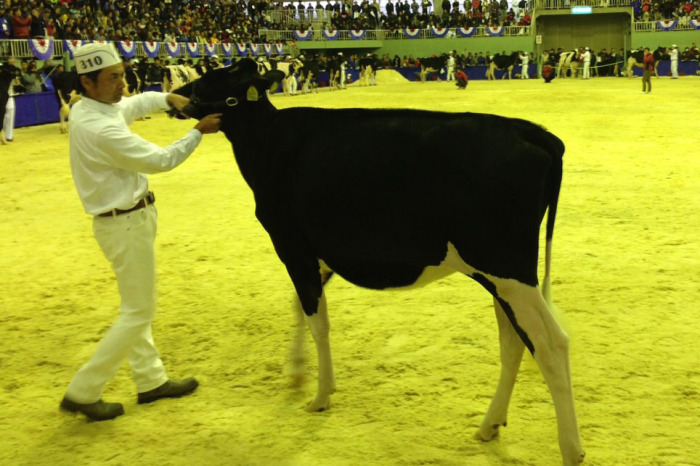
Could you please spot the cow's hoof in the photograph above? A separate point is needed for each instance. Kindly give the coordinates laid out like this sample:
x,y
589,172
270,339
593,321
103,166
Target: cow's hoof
x,y
488,433
317,406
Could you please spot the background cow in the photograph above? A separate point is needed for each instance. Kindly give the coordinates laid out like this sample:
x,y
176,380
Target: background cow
x,y
636,58
65,82
568,61
408,212
432,65
502,62
368,70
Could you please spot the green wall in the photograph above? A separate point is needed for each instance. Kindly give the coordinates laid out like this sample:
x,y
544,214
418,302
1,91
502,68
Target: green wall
x,y
653,40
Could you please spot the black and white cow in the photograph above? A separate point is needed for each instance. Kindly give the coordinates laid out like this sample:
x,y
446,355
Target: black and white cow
x,y
568,61
636,58
502,62
404,214
309,74
432,64
368,70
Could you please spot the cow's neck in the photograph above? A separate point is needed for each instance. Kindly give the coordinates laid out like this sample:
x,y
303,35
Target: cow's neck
x,y
248,128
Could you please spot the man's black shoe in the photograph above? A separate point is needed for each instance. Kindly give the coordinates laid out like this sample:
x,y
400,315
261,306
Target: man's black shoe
x,y
170,389
98,411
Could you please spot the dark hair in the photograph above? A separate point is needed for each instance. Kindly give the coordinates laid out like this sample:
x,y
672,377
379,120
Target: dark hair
x,y
92,76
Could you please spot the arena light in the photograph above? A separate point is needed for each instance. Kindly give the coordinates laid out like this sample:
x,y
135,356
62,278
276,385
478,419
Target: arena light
x,y
581,10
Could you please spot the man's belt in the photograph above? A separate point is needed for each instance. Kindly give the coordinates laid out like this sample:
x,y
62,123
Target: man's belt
x,y
149,198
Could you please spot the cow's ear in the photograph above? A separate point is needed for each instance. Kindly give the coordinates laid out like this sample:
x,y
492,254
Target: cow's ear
x,y
252,95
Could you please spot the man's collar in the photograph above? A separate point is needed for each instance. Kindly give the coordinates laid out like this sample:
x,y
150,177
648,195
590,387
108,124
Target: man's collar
x,y
100,106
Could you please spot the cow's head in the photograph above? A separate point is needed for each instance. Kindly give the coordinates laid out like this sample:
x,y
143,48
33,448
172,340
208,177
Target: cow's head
x,y
223,89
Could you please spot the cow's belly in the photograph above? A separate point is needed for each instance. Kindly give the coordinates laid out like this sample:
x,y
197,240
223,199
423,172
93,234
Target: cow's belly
x,y
396,277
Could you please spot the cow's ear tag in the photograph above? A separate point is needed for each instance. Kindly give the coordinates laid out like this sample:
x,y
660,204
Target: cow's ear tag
x,y
252,94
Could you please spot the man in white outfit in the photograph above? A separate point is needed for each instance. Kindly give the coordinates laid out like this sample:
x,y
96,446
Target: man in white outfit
x,y
8,122
343,63
673,54
586,56
451,67
524,65
109,163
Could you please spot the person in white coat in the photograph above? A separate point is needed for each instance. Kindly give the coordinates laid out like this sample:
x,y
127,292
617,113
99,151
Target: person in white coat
x,y
586,57
109,164
451,67
673,55
524,65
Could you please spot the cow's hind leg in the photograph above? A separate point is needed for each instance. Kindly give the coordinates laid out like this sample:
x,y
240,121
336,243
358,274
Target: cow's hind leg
x,y
549,345
512,349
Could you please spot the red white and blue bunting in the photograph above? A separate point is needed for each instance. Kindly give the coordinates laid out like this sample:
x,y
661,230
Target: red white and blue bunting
x,y
209,49
439,32
193,49
72,46
466,32
42,49
279,47
227,48
495,31
668,25
173,49
411,33
695,23
255,49
267,48
127,48
151,48
303,35
358,34
241,49
331,34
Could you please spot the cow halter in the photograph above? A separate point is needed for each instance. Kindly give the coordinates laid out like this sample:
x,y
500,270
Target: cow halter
x,y
217,105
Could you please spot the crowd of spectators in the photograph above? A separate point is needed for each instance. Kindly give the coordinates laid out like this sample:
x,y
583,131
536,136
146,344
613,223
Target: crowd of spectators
x,y
681,10
240,21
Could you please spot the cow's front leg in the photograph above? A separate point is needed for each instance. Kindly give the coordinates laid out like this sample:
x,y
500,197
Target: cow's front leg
x,y
297,353
320,329
512,349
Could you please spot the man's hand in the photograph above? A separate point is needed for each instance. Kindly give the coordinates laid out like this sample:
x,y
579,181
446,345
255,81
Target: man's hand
x,y
209,124
177,101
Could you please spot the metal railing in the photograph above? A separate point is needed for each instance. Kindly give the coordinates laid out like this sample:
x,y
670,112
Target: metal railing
x,y
274,35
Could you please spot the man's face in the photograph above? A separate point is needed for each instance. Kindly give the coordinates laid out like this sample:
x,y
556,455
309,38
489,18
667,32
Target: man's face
x,y
109,87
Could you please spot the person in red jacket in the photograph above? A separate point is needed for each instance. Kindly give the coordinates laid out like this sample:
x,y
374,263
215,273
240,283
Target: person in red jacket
x,y
648,70
462,79
21,22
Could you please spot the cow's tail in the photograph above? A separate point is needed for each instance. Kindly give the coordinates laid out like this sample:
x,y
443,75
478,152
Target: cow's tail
x,y
556,150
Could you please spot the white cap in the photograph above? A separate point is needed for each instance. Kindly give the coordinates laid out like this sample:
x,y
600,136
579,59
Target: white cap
x,y
93,57
674,46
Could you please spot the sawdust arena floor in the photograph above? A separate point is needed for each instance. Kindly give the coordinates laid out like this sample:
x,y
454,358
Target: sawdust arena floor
x,y
415,369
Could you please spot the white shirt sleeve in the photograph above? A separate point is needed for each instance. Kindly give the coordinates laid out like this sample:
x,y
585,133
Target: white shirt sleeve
x,y
140,105
131,152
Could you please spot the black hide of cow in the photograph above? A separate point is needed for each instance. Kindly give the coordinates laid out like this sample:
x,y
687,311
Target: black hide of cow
x,y
503,62
434,63
379,217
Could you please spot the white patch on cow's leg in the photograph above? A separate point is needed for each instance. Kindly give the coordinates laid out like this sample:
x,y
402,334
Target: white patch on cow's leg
x,y
551,352
320,329
297,352
512,348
